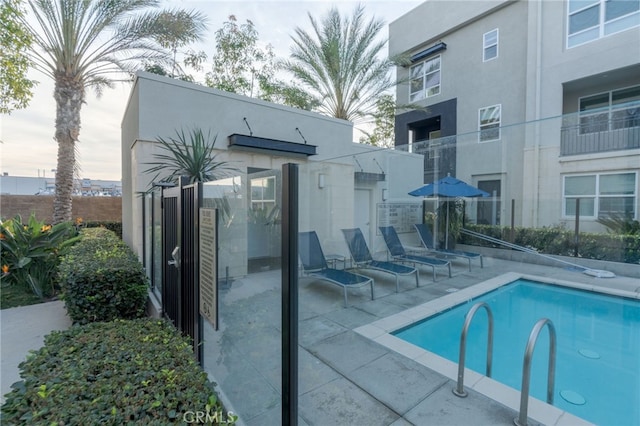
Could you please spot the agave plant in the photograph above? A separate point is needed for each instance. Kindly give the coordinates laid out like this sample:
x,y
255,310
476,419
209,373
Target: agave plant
x,y
191,154
30,252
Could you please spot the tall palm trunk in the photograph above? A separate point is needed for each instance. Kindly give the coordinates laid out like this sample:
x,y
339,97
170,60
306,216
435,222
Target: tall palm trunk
x,y
69,96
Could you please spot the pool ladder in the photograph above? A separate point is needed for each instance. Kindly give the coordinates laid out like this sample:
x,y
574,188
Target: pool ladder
x,y
521,420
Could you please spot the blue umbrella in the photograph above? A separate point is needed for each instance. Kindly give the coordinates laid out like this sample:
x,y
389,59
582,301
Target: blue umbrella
x,y
448,187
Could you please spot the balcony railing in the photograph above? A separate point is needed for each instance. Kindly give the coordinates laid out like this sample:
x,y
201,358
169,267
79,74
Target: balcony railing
x,y
594,134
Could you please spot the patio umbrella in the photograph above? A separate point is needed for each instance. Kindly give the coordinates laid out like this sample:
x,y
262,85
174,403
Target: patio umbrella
x,y
449,187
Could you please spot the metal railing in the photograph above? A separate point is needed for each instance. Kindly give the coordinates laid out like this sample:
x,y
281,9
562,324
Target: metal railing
x,y
521,420
593,136
459,389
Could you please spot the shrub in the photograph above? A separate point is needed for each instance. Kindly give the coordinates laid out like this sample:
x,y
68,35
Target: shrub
x,y
102,279
122,372
116,227
30,252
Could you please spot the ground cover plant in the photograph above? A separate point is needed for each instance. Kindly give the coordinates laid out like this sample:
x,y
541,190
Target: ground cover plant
x,y
30,254
102,279
121,372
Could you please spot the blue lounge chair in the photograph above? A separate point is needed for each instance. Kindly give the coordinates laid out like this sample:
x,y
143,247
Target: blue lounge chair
x,y
427,241
362,257
315,265
398,252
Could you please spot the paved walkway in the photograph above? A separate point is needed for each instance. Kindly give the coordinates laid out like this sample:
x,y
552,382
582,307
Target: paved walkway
x,y
23,329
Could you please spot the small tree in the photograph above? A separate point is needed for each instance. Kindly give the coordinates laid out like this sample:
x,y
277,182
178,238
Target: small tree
x,y
14,63
384,121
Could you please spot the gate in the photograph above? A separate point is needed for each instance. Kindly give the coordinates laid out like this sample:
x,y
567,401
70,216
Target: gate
x,y
180,207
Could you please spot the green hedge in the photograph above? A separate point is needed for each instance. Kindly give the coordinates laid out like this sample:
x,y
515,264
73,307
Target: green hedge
x,y
559,241
102,279
122,372
116,227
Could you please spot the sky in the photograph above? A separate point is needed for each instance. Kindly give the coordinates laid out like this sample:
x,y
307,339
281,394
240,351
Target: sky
x,y
28,147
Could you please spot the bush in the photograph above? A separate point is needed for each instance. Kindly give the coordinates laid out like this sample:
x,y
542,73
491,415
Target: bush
x,y
102,279
122,372
559,241
30,252
116,227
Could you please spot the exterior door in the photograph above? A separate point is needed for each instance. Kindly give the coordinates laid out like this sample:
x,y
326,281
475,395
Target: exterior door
x,y
362,212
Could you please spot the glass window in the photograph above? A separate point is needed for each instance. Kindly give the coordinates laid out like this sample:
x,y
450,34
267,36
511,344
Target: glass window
x,y
592,19
263,193
618,109
490,45
489,123
601,195
425,79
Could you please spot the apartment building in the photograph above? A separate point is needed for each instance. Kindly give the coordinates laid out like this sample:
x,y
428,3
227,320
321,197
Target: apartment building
x,y
536,102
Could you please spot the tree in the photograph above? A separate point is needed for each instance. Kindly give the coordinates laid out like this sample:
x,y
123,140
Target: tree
x,y
241,66
384,121
340,62
15,40
86,43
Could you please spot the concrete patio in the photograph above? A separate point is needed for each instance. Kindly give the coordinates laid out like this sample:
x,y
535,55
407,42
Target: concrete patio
x,y
346,378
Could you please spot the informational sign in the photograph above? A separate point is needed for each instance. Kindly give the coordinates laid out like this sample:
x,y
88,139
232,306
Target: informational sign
x,y
402,216
208,266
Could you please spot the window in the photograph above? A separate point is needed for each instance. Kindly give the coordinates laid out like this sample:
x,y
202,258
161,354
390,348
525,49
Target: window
x,y
618,109
263,194
590,20
601,195
425,79
489,123
490,45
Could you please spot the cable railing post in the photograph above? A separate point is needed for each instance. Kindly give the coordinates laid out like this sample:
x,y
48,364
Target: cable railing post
x,y
521,420
459,389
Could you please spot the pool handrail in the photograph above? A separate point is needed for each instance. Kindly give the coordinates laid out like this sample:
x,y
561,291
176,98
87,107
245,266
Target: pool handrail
x,y
459,389
521,420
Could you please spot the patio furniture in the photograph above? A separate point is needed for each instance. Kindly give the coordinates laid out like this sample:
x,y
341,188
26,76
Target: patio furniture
x,y
399,254
427,241
315,265
362,257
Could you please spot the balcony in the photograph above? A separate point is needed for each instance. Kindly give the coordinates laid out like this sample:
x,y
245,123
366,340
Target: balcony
x,y
600,133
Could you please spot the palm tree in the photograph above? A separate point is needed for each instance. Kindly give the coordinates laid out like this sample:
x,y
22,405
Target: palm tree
x,y
85,43
341,63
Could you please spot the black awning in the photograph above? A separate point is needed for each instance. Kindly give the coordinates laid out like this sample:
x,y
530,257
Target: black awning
x,y
270,146
427,52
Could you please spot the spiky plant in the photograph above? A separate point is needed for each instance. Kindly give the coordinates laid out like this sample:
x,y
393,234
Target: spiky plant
x,y
191,154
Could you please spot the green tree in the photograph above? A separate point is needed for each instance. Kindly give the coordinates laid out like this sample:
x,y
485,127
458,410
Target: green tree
x,y
15,40
241,66
384,122
82,44
340,63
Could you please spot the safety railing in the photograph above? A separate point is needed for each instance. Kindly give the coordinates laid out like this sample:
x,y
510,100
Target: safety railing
x,y
521,420
459,389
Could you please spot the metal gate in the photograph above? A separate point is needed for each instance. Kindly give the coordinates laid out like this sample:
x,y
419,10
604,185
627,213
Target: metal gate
x,y
180,207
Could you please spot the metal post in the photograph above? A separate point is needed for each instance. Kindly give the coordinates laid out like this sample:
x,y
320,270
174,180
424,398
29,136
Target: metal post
x,y
576,239
513,221
290,294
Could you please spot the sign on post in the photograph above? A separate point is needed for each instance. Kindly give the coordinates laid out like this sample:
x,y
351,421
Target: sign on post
x,y
209,266
402,216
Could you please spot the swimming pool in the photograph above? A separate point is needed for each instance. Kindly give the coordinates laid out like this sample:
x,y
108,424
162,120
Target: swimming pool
x,y
598,336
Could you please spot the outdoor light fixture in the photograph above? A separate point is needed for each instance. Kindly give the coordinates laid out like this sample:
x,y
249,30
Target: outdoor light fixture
x,y
321,180
385,194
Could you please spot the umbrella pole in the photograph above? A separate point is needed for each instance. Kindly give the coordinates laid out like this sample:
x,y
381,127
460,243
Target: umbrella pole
x,y
446,238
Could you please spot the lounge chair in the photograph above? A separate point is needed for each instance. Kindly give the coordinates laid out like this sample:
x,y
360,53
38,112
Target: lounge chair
x,y
315,265
427,241
362,257
398,252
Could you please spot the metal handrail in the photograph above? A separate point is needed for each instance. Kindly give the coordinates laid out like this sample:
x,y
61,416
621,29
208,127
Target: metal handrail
x,y
459,389
526,369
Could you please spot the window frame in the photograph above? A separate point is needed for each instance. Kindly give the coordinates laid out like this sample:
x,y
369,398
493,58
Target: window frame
x,y
610,109
601,26
423,76
485,46
480,126
597,196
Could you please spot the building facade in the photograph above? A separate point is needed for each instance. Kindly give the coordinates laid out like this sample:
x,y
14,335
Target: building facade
x,y
536,102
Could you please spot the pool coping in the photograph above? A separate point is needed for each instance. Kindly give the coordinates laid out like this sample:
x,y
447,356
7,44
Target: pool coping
x,y
380,332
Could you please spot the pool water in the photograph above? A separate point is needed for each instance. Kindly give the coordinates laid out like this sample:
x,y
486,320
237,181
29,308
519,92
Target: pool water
x,y
598,346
